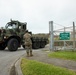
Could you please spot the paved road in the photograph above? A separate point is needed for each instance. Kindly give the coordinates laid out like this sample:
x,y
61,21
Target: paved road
x,y
7,59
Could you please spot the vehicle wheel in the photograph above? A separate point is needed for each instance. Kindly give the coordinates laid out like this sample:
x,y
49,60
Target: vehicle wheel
x,y
23,46
13,44
36,45
2,46
42,44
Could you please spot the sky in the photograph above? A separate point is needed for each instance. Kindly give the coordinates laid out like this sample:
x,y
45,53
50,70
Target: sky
x,y
38,13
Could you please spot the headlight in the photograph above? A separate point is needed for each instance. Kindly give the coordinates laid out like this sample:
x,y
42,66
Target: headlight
x,y
5,37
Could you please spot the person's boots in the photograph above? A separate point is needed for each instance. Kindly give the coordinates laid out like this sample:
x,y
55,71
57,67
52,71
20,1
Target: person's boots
x,y
27,54
31,53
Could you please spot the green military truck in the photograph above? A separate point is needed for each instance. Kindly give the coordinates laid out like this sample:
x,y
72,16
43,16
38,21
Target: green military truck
x,y
12,37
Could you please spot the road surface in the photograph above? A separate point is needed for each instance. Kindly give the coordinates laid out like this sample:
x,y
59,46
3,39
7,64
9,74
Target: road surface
x,y
7,59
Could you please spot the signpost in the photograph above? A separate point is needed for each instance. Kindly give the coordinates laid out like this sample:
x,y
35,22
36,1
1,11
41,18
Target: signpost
x,y
64,36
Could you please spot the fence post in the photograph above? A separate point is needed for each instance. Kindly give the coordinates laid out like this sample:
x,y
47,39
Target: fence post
x,y
73,36
64,41
51,35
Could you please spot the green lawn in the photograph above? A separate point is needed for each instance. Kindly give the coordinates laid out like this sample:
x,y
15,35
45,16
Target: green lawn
x,y
31,67
64,55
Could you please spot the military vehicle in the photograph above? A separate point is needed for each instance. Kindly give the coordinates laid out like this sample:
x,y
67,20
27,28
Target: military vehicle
x,y
12,37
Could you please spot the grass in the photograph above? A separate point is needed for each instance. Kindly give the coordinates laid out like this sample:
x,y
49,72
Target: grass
x,y
31,67
64,55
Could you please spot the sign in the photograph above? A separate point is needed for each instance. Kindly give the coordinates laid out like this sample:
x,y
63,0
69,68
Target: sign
x,y
64,36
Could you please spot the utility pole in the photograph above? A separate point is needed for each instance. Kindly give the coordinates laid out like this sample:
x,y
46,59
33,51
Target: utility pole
x,y
73,36
51,35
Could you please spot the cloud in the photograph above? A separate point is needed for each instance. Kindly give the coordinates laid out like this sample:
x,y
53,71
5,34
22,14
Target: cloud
x,y
38,13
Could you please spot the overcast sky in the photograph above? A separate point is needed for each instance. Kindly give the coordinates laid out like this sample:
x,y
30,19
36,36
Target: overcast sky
x,y
38,13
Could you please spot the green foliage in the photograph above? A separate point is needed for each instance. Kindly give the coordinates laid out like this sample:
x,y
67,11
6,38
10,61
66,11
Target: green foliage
x,y
64,55
31,67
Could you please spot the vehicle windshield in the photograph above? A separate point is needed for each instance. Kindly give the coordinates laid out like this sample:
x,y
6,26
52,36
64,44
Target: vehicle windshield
x,y
10,26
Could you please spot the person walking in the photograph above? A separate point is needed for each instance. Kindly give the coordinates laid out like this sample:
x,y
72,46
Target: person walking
x,y
28,43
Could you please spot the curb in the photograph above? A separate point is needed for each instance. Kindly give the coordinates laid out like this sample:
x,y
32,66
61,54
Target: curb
x,y
18,68
15,68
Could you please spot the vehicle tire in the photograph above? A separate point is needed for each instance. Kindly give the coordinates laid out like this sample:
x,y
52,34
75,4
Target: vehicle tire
x,y
2,46
23,46
13,44
36,45
42,44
